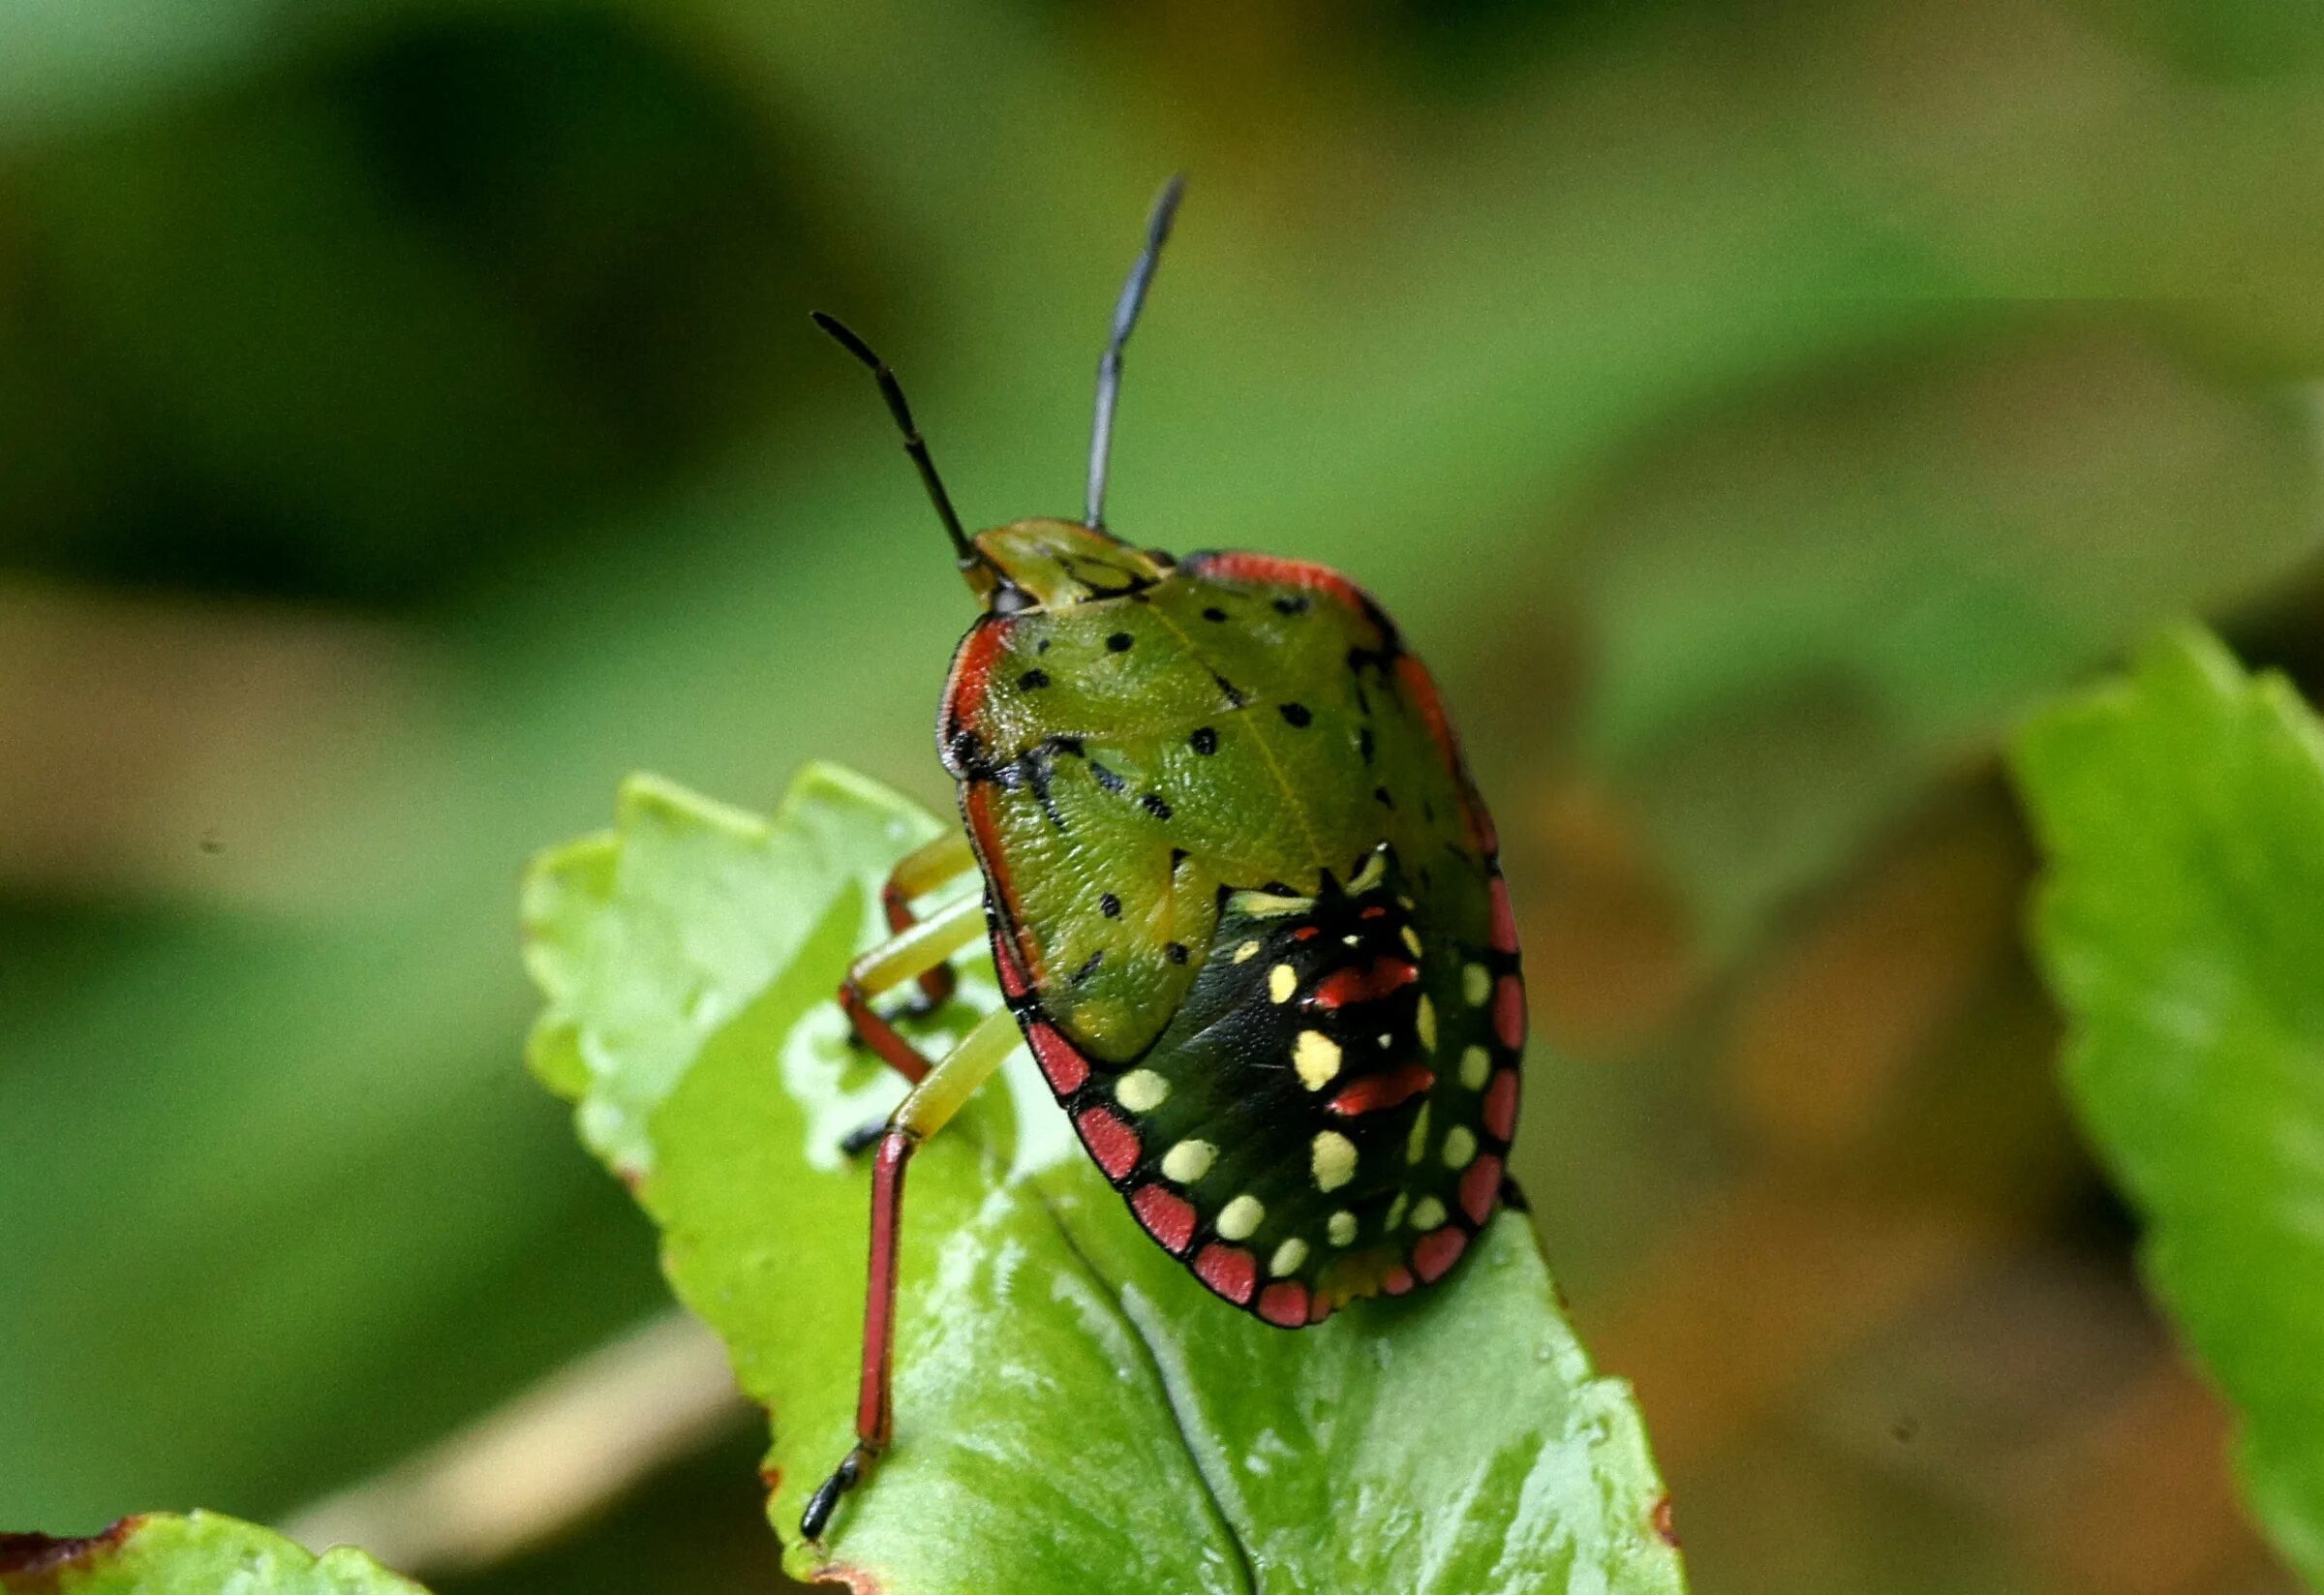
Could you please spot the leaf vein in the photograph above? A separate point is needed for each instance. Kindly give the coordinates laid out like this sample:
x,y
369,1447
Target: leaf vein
x,y
1169,1396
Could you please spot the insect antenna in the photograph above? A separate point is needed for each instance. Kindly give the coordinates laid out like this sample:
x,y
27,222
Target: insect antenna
x,y
1125,317
913,444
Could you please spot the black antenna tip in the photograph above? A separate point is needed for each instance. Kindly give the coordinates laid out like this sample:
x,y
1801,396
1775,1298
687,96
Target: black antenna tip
x,y
846,338
1166,209
892,391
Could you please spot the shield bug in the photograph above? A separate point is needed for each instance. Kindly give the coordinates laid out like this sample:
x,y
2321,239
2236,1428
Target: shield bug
x,y
1244,900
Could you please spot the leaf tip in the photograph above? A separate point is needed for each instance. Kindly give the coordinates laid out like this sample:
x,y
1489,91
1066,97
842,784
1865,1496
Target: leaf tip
x,y
648,799
548,871
822,783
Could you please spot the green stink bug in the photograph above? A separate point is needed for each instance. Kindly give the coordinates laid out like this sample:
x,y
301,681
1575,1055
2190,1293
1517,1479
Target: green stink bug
x,y
1242,897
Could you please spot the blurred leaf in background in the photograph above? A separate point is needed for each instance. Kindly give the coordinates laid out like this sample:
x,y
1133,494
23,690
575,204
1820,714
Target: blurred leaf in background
x,y
2181,814
408,425
1810,610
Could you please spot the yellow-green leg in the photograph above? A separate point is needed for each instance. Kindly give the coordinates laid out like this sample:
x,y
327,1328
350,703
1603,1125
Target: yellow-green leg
x,y
922,946
921,872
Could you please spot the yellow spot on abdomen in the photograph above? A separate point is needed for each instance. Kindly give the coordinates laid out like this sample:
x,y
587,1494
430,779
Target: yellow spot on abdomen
x,y
1423,1020
1288,1257
1396,1211
1340,1227
1427,1214
1281,981
1246,952
1416,1145
1475,1068
1332,1157
1460,1146
1240,1216
1188,1161
1412,941
1316,1056
1475,984
1141,1091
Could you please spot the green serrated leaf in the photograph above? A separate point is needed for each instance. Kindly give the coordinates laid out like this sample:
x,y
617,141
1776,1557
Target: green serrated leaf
x,y
1072,1406
200,1553
2181,926
645,941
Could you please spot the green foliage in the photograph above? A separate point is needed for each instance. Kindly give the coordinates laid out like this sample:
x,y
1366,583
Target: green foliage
x,y
1761,729
199,1554
2182,925
1071,1402
1587,244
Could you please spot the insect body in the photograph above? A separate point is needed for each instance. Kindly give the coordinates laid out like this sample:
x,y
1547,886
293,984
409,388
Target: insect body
x,y
1244,904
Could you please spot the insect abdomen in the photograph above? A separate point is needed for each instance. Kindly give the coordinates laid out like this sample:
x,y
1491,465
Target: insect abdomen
x,y
1327,1114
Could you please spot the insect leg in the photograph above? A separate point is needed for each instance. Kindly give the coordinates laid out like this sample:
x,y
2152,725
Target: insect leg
x,y
920,1114
923,871
906,957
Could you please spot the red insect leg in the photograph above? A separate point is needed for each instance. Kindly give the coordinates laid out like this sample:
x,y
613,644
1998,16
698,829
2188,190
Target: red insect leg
x,y
875,1408
925,946
887,1043
930,1104
874,1404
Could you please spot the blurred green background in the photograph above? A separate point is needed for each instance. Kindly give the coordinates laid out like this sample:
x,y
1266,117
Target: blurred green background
x,y
410,423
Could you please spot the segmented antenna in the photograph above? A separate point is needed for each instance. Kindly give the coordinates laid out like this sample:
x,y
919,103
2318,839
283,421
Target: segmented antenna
x,y
1125,317
913,444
